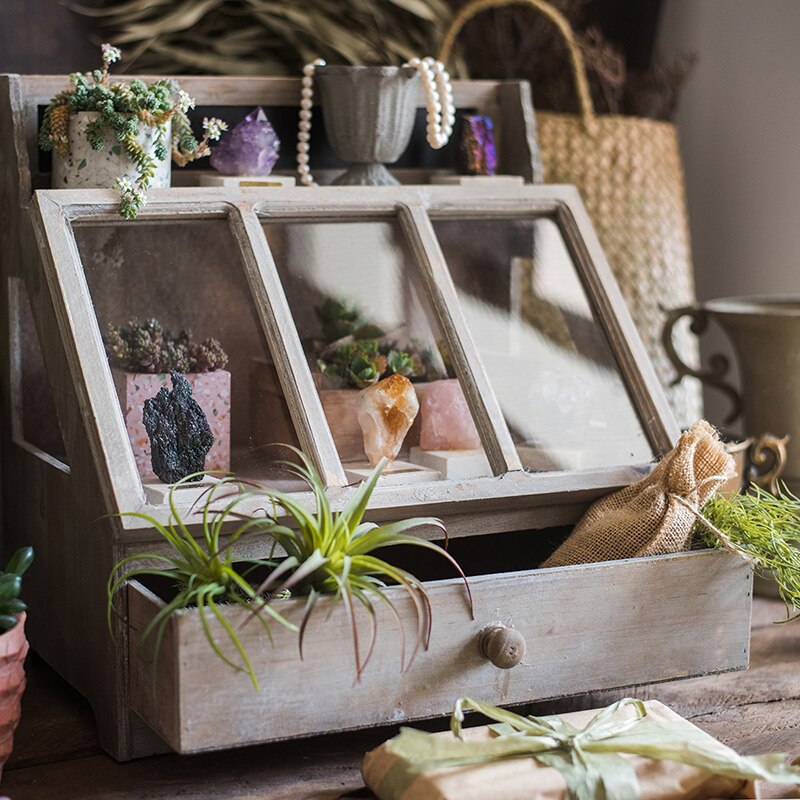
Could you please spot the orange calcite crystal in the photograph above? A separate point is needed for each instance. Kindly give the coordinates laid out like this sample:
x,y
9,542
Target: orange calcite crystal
x,y
386,412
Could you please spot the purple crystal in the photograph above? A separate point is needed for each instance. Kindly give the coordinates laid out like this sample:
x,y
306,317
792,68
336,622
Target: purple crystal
x,y
478,152
251,148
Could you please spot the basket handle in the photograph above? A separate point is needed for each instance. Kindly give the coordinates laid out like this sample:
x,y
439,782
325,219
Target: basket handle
x,y
564,28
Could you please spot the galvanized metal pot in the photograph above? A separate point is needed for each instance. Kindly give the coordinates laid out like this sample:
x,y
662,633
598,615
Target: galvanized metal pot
x,y
765,333
369,117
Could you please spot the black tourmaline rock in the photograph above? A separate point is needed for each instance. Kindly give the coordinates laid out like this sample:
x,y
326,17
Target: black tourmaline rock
x,y
180,436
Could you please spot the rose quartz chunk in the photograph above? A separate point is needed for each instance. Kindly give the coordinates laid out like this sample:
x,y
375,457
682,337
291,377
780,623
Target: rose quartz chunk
x,y
386,412
211,390
445,419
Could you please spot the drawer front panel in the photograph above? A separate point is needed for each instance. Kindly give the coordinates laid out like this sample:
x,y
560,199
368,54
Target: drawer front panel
x,y
586,628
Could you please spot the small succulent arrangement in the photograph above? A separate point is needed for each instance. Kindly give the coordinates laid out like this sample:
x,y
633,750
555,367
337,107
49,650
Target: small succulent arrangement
x,y
11,605
146,347
121,109
355,352
327,554
764,529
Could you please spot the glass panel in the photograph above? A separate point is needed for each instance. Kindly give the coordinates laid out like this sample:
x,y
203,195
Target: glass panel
x,y
548,360
39,424
161,290
364,319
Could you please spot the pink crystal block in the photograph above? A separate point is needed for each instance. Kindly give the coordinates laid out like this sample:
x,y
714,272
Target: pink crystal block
x,y
251,148
445,419
212,391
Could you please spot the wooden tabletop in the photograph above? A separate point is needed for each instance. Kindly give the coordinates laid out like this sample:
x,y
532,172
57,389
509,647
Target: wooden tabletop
x,y
57,756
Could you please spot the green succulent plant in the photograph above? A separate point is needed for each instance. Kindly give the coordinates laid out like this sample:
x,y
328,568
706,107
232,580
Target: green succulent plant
x,y
123,108
409,365
146,347
339,319
202,569
11,605
333,553
357,353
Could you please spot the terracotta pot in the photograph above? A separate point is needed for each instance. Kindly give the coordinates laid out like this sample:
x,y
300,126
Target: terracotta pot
x,y
13,649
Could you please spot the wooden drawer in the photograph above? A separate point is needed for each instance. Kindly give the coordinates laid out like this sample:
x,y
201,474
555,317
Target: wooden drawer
x,y
588,627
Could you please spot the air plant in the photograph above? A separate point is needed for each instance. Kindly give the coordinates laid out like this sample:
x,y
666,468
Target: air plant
x,y
333,553
11,606
203,570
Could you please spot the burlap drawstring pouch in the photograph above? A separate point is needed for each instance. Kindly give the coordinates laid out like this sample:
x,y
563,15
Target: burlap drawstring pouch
x,y
656,515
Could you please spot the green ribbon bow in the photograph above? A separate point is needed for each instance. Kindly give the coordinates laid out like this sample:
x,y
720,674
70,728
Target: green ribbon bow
x,y
588,759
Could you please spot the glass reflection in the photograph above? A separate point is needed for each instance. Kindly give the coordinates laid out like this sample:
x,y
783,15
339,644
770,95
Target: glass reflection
x,y
547,358
375,350
174,295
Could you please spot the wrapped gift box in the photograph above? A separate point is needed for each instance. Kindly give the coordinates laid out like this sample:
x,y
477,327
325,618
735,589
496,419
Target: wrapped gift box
x,y
393,777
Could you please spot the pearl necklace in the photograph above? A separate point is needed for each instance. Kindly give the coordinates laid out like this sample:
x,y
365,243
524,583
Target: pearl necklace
x,y
304,126
438,101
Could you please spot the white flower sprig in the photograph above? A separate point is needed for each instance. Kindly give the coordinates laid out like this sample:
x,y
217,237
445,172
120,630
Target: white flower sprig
x,y
110,53
185,101
133,197
214,128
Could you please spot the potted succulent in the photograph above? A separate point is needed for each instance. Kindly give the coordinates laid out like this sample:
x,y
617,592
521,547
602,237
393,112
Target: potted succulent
x,y
13,648
351,354
327,553
142,356
108,134
354,354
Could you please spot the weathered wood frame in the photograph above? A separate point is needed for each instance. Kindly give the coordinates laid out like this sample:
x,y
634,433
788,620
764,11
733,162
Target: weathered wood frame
x,y
570,649
61,508
507,102
56,212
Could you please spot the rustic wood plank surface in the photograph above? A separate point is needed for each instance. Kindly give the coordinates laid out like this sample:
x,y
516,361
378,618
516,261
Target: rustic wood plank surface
x,y
57,754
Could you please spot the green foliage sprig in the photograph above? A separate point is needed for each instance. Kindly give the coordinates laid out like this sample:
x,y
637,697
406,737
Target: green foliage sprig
x,y
122,108
355,352
202,569
11,605
147,347
334,554
764,528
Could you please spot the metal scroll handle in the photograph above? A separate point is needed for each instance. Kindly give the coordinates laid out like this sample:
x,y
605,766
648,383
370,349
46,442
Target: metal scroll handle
x,y
767,460
718,365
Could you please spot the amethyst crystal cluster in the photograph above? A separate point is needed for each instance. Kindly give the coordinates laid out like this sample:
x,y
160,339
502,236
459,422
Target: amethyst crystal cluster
x,y
251,148
478,152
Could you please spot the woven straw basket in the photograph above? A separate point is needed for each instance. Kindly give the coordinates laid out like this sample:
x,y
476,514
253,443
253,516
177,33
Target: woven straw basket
x,y
629,173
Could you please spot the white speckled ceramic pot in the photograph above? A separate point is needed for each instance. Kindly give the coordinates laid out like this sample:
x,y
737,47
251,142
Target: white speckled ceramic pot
x,y
85,168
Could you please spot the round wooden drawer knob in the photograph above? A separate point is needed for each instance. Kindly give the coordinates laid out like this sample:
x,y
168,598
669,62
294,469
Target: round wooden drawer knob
x,y
503,646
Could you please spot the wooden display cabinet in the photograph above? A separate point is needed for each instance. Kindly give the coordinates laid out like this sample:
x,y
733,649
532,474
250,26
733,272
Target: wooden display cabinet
x,y
509,283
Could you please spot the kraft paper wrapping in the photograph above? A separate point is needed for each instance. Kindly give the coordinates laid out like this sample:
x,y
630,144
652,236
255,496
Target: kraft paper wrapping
x,y
526,779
